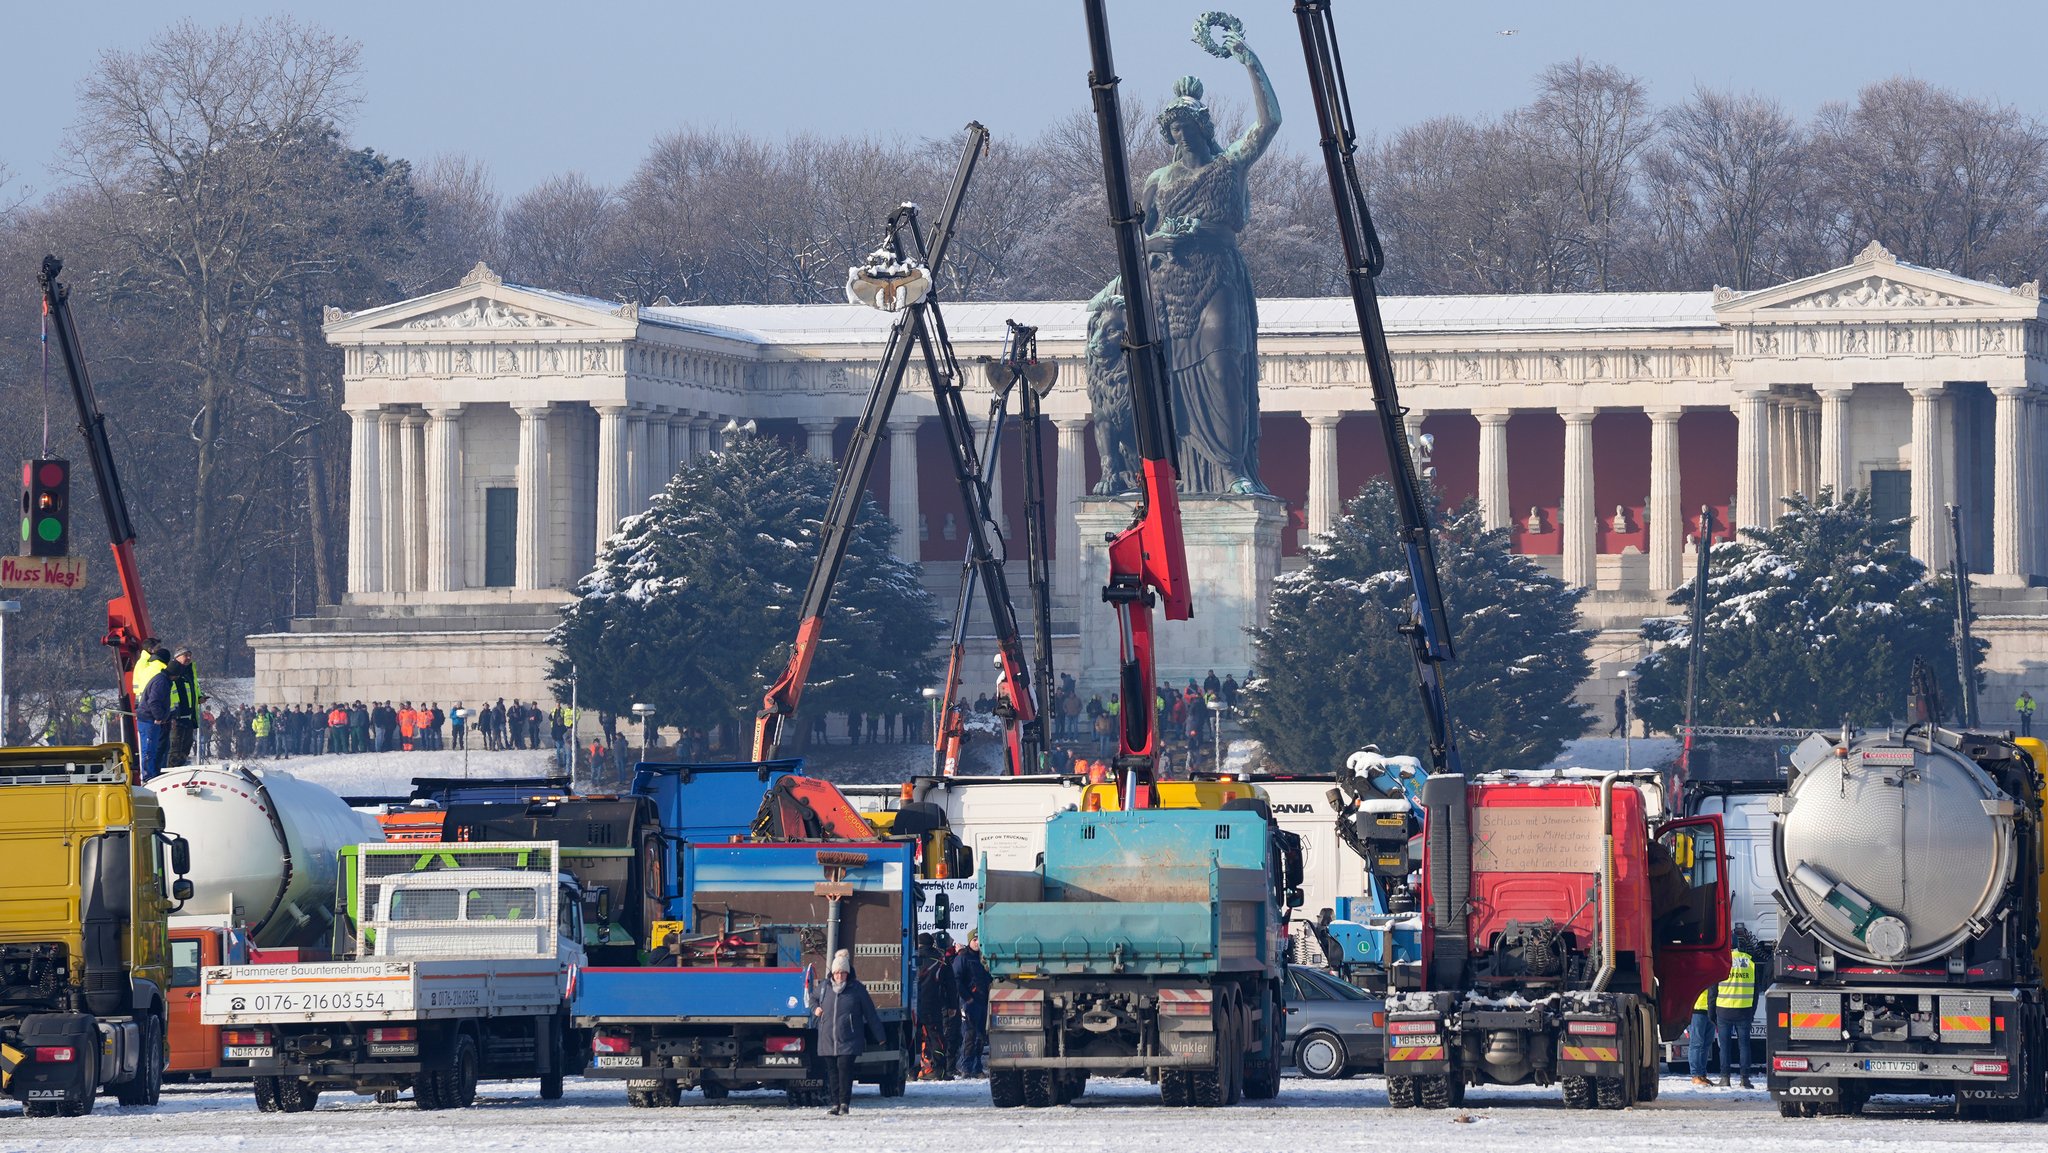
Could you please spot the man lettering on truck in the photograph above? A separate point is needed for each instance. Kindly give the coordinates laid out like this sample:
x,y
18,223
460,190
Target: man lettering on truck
x,y
847,1021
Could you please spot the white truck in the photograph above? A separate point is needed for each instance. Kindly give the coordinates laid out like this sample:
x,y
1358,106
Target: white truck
x,y
461,962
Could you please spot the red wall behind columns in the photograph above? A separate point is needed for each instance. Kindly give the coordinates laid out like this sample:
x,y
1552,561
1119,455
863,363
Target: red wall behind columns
x,y
1706,467
1283,465
1535,477
1621,476
1456,455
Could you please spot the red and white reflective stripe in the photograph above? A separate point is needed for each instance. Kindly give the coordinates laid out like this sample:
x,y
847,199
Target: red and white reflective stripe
x,y
1203,995
998,996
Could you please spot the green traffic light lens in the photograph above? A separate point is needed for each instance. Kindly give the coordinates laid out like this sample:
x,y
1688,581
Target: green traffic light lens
x,y
50,529
24,528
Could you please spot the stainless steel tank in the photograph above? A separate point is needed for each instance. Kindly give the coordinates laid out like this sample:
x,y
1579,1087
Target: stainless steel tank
x,y
1895,854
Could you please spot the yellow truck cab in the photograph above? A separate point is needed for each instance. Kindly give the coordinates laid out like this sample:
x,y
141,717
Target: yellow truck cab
x,y
85,896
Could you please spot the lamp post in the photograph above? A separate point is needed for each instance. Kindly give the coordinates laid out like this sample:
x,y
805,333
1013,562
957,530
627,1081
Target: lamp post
x,y
7,609
932,695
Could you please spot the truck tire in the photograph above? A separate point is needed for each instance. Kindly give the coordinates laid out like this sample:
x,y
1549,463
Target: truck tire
x,y
714,1090
295,1096
1173,1088
1005,1087
1611,1092
459,1081
551,1087
426,1089
663,1095
1041,1088
894,1081
1401,1092
1578,1092
1439,1092
266,1094
148,1083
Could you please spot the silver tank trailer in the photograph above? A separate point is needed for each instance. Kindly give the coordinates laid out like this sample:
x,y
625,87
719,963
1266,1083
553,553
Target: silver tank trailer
x,y
1895,854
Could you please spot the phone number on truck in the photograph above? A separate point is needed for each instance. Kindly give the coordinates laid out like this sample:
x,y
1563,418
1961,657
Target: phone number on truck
x,y
307,1002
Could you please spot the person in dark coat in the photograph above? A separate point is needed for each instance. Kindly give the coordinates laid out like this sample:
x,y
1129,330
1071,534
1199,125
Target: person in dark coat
x,y
846,1022
971,978
936,997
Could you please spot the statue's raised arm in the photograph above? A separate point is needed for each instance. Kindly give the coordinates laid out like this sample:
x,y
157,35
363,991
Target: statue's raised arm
x,y
1253,142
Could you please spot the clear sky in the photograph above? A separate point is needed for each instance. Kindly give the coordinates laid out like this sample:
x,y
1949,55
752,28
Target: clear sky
x,y
535,87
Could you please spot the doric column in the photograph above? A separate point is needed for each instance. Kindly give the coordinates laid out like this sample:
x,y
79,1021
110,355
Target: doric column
x,y
636,460
2012,500
445,498
1930,495
1809,446
2032,479
818,436
678,442
1781,454
1493,468
365,501
1667,517
1753,458
415,446
534,541
700,434
1325,495
397,485
1837,453
903,486
612,471
1581,523
659,467
1070,485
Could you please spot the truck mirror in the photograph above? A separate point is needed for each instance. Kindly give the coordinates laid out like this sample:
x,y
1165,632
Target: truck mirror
x,y
181,861
604,905
1295,898
181,890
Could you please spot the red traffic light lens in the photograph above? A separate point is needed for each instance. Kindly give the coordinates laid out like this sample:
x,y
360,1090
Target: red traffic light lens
x,y
50,473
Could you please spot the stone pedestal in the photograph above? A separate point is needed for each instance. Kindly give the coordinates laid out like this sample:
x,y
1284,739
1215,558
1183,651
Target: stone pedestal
x,y
1233,547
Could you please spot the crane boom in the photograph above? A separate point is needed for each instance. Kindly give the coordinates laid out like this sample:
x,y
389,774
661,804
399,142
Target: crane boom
x,y
127,614
1147,561
1428,629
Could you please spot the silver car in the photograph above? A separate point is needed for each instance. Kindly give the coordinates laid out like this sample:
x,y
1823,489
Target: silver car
x,y
1334,1029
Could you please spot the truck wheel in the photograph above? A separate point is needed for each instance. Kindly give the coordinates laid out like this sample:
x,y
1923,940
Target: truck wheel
x,y
715,1090
1611,1092
1173,1087
1040,1088
551,1087
1435,1092
1578,1092
266,1094
426,1089
1401,1092
148,1082
459,1081
295,1096
893,1081
1005,1087
1791,1109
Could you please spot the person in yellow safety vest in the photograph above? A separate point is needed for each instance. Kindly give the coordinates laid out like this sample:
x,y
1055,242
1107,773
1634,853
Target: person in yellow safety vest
x,y
152,687
1699,1037
1734,1005
2025,708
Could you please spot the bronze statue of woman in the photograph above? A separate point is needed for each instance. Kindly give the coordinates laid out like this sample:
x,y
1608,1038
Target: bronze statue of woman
x,y
1194,208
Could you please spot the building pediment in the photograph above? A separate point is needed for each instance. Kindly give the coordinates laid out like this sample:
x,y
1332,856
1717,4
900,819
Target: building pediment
x,y
484,305
1877,287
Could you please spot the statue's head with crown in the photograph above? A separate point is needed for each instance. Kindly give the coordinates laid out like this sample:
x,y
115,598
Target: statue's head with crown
x,y
1184,122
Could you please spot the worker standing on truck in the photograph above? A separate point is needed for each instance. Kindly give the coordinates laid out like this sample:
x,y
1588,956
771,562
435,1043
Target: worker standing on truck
x,y
185,700
152,709
1734,1005
846,1022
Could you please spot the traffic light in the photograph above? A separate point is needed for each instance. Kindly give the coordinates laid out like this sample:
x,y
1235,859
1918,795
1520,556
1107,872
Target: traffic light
x,y
45,508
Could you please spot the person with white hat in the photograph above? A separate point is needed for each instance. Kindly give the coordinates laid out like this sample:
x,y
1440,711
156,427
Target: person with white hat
x,y
846,1021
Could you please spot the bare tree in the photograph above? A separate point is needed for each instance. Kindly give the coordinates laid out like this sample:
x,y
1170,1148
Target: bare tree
x,y
1596,119
1722,185
462,222
205,124
558,235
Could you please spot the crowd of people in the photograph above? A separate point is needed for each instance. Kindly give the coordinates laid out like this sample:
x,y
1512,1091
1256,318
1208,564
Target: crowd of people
x,y
280,731
1187,712
951,1007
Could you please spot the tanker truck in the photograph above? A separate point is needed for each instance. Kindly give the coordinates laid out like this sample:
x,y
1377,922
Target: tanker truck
x,y
1908,957
264,868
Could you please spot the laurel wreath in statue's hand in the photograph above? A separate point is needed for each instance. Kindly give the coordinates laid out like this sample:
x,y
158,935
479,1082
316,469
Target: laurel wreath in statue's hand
x,y
1233,29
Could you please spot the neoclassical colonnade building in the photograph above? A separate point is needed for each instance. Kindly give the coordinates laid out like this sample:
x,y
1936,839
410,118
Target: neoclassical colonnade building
x,y
500,432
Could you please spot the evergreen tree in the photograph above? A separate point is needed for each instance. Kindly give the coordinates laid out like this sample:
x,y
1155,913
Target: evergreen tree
x,y
693,605
1811,622
1335,673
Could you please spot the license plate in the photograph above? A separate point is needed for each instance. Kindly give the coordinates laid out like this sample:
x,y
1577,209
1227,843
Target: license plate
x,y
1876,1066
618,1060
1417,1040
248,1052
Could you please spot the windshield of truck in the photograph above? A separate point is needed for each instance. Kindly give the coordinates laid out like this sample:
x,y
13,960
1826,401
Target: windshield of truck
x,y
424,905
502,904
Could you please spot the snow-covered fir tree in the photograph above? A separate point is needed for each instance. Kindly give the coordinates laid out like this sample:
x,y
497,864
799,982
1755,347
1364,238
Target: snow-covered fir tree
x,y
1334,672
1811,622
693,605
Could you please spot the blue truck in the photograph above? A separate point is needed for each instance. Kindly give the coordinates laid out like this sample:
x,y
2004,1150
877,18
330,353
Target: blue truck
x,y
741,931
1148,943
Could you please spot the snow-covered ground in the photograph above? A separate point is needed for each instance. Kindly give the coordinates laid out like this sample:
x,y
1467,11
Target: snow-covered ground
x,y
1124,1116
